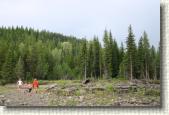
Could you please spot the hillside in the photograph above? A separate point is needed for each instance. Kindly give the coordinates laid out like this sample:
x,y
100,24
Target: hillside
x,y
27,53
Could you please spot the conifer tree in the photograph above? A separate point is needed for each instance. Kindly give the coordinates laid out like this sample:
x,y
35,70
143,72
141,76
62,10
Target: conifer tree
x,y
152,63
115,59
140,61
90,59
106,54
83,59
158,63
131,49
28,53
8,67
96,57
146,48
19,69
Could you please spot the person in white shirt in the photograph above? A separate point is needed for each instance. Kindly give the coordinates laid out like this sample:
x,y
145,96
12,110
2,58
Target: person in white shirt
x,y
19,83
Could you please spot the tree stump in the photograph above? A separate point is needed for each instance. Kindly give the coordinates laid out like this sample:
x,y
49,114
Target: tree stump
x,y
86,81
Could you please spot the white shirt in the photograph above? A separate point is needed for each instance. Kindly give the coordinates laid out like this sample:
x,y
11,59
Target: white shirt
x,y
19,82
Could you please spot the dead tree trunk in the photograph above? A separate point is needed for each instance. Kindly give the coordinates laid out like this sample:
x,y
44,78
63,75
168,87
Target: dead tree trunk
x,y
155,73
85,70
131,69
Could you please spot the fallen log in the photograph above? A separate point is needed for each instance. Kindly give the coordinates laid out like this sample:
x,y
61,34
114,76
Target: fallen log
x,y
51,87
70,91
126,88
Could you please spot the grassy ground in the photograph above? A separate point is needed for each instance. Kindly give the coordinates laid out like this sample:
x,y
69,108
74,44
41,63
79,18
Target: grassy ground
x,y
4,89
102,93
95,93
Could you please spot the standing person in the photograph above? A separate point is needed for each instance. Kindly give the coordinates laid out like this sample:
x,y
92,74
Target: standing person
x,y
19,83
35,84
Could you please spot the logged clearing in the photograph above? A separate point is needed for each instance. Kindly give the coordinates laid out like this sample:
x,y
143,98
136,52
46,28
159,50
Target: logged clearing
x,y
90,93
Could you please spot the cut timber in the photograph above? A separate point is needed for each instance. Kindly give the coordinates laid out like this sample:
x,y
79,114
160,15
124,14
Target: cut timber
x,y
51,87
70,91
98,89
93,89
126,88
122,88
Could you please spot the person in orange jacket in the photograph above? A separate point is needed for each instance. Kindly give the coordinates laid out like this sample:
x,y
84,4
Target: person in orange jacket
x,y
35,84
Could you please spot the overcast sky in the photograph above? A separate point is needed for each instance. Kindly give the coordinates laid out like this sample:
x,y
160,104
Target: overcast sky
x,y
85,18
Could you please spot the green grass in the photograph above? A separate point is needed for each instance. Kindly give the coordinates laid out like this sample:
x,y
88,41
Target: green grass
x,y
99,97
99,82
154,81
152,92
4,89
71,102
62,82
109,88
77,93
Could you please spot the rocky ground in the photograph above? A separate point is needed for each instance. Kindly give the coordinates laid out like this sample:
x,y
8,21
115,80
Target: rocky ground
x,y
91,93
14,97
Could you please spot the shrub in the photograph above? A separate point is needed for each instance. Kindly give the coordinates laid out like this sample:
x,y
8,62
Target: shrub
x,y
154,81
110,88
77,93
152,92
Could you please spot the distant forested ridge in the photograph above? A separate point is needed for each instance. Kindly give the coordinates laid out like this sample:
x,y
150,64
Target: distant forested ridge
x,y
27,53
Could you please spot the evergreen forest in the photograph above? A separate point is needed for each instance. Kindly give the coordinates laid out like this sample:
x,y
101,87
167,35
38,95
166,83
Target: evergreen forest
x,y
27,53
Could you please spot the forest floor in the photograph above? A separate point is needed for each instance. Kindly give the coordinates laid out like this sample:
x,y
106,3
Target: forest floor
x,y
76,93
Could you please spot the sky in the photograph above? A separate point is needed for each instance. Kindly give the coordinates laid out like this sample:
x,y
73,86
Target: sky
x,y
85,18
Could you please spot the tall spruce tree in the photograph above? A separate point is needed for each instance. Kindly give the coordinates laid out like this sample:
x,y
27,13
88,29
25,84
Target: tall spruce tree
x,y
96,57
111,56
90,60
106,55
146,48
83,58
152,63
140,60
131,50
115,59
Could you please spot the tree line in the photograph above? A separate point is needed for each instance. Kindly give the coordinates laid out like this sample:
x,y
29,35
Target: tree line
x,y
27,53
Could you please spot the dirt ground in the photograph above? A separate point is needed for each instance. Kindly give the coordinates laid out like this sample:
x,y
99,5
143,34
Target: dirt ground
x,y
14,97
75,93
